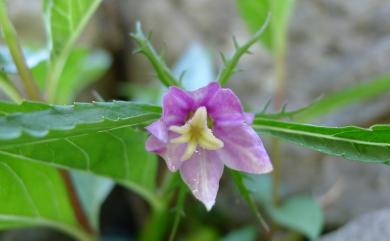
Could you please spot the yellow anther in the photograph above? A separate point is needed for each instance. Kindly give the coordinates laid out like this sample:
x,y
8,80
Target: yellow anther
x,y
196,132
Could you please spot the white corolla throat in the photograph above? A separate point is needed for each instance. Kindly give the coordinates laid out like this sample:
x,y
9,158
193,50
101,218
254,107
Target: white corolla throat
x,y
196,132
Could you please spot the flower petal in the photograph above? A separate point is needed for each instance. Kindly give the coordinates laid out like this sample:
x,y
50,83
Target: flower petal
x,y
202,173
177,104
158,130
153,144
203,95
172,155
243,150
225,108
249,117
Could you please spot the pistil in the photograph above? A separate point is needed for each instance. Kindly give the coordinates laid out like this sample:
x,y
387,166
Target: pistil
x,y
196,132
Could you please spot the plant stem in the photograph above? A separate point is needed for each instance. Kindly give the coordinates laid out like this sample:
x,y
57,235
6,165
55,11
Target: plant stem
x,y
276,174
75,202
179,211
280,75
9,89
11,39
155,228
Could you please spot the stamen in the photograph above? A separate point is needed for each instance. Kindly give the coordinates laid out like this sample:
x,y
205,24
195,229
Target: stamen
x,y
196,132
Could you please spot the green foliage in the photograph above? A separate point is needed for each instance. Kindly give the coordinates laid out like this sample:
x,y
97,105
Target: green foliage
x,y
300,213
229,65
82,68
65,20
61,121
242,234
33,194
358,144
95,138
334,101
145,47
354,94
254,12
203,233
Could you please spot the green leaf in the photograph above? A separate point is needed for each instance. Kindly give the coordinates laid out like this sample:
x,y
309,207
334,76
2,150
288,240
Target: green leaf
x,y
204,233
242,234
354,94
33,194
96,138
301,213
254,12
334,101
354,143
61,121
65,20
81,69
11,107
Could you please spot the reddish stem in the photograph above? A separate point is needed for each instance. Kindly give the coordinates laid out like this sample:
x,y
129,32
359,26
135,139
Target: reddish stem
x,y
76,204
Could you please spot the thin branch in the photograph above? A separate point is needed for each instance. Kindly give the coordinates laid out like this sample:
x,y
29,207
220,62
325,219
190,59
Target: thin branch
x,y
145,47
229,66
9,89
11,39
179,211
76,204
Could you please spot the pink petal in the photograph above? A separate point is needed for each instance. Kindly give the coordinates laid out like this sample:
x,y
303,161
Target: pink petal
x,y
173,154
243,150
225,108
155,145
202,173
158,130
203,95
249,117
177,104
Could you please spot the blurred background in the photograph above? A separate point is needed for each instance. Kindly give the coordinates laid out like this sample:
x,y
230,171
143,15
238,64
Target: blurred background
x,y
331,45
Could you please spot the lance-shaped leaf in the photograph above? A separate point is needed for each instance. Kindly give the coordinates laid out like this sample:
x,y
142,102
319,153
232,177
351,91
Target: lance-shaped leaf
x,y
33,194
354,143
61,121
95,138
254,13
335,101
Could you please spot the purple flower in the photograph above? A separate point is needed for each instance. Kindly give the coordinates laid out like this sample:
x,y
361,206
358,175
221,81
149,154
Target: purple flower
x,y
200,132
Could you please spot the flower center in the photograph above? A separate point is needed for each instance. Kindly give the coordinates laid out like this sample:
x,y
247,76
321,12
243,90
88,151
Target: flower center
x,y
196,132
